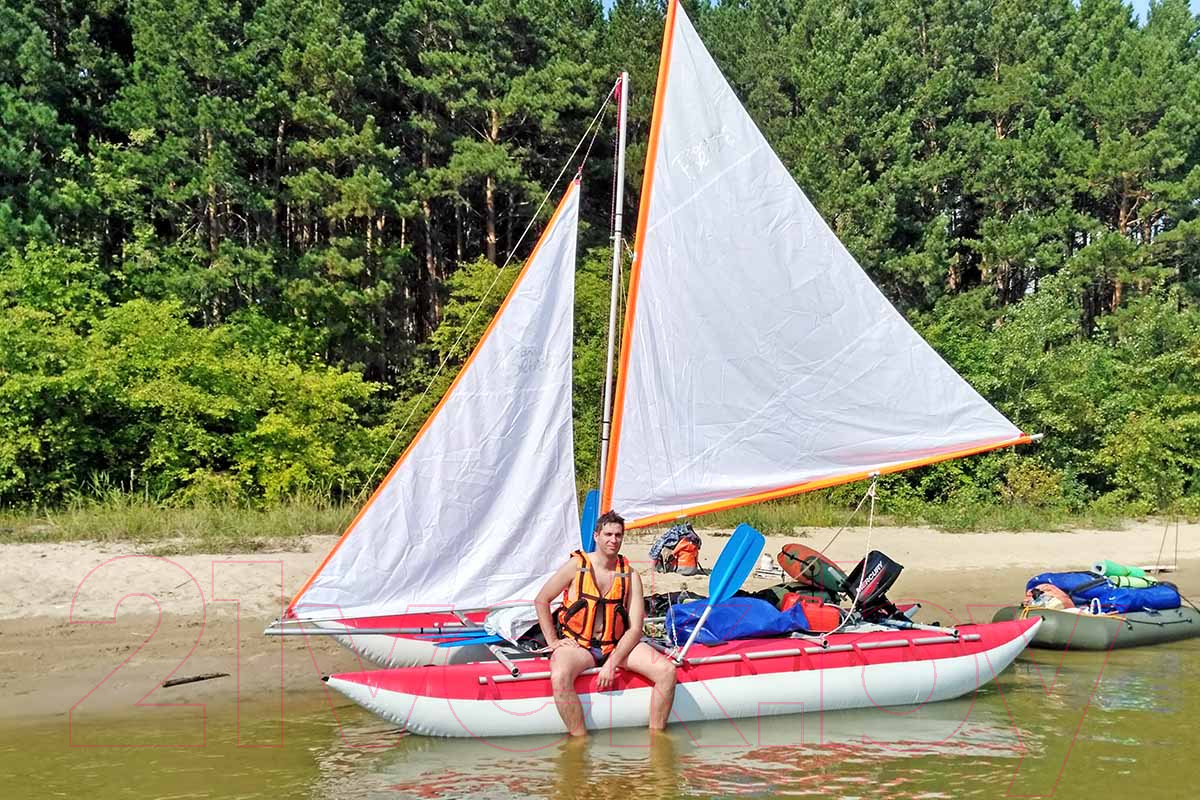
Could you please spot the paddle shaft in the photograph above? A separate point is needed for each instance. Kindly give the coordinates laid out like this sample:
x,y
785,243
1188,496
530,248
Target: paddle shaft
x,y
449,631
916,626
695,632
503,659
279,623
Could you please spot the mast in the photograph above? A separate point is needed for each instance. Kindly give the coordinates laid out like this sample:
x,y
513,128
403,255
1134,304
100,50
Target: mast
x,y
622,90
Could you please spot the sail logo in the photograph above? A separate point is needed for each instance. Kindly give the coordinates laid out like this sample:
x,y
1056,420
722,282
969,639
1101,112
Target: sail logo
x,y
531,360
698,156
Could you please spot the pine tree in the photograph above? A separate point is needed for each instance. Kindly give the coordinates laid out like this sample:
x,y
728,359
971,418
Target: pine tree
x,y
34,137
1134,96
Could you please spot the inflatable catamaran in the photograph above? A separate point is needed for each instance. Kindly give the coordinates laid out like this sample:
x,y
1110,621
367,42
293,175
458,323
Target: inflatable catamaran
x,y
744,679
757,361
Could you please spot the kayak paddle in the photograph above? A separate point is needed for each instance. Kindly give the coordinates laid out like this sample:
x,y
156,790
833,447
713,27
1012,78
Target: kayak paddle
x,y
469,633
734,565
587,521
488,639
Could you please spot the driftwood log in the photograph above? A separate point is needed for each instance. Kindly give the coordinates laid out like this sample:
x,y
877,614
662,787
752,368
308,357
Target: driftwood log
x,y
208,676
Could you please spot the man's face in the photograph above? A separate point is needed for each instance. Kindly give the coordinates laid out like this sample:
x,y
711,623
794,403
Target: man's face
x,y
609,538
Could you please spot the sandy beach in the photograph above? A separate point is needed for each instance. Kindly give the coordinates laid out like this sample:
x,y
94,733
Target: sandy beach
x,y
96,628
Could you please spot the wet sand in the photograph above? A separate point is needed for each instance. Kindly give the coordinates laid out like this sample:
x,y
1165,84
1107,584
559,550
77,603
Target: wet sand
x,y
92,629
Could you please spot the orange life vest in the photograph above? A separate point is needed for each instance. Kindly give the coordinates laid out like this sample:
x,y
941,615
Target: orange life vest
x,y
582,602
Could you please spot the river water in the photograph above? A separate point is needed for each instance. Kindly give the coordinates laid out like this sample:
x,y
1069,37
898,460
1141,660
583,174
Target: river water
x,y
1077,725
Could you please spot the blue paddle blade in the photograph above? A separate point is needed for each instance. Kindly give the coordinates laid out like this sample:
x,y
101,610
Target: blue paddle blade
x,y
587,521
735,563
472,640
468,634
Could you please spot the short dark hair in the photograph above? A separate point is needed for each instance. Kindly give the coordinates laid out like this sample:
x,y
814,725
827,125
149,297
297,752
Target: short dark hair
x,y
610,516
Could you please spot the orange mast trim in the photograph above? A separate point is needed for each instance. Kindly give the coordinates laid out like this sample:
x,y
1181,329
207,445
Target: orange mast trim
x,y
660,92
819,483
571,187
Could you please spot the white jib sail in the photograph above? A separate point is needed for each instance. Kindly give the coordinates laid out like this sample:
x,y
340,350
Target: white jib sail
x,y
759,357
481,506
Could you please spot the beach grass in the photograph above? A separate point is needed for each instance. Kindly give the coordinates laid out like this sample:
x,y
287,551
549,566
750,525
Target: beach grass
x,y
1010,517
791,516
167,529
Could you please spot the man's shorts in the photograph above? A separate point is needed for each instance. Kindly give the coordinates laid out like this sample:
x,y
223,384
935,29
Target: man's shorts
x,y
598,656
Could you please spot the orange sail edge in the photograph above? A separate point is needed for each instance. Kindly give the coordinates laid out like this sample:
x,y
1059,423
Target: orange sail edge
x,y
635,270
823,483
572,186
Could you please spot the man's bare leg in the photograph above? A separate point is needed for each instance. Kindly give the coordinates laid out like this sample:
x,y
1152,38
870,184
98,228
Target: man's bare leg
x,y
659,670
565,665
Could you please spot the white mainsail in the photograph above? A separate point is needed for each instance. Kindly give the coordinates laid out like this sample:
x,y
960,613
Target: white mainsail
x,y
482,505
758,359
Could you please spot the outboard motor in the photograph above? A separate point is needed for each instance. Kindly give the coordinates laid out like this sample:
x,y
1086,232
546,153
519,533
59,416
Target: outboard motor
x,y
876,573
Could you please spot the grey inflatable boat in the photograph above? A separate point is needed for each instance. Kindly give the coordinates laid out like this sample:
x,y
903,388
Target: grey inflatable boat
x,y
1079,630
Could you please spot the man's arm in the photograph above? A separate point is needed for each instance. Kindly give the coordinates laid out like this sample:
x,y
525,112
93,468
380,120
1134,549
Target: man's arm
x,y
637,618
553,588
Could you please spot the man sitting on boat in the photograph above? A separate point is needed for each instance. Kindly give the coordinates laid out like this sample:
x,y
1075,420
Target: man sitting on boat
x,y
600,625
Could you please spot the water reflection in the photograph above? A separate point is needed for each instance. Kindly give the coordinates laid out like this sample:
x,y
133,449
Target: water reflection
x,y
1056,724
797,755
1142,679
583,769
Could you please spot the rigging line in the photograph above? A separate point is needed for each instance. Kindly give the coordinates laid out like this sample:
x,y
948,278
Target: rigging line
x,y
1158,559
853,513
870,530
870,524
1187,600
595,135
383,459
616,139
1132,622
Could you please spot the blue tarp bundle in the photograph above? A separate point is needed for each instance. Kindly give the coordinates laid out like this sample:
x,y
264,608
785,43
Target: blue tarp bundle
x,y
1112,598
736,618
